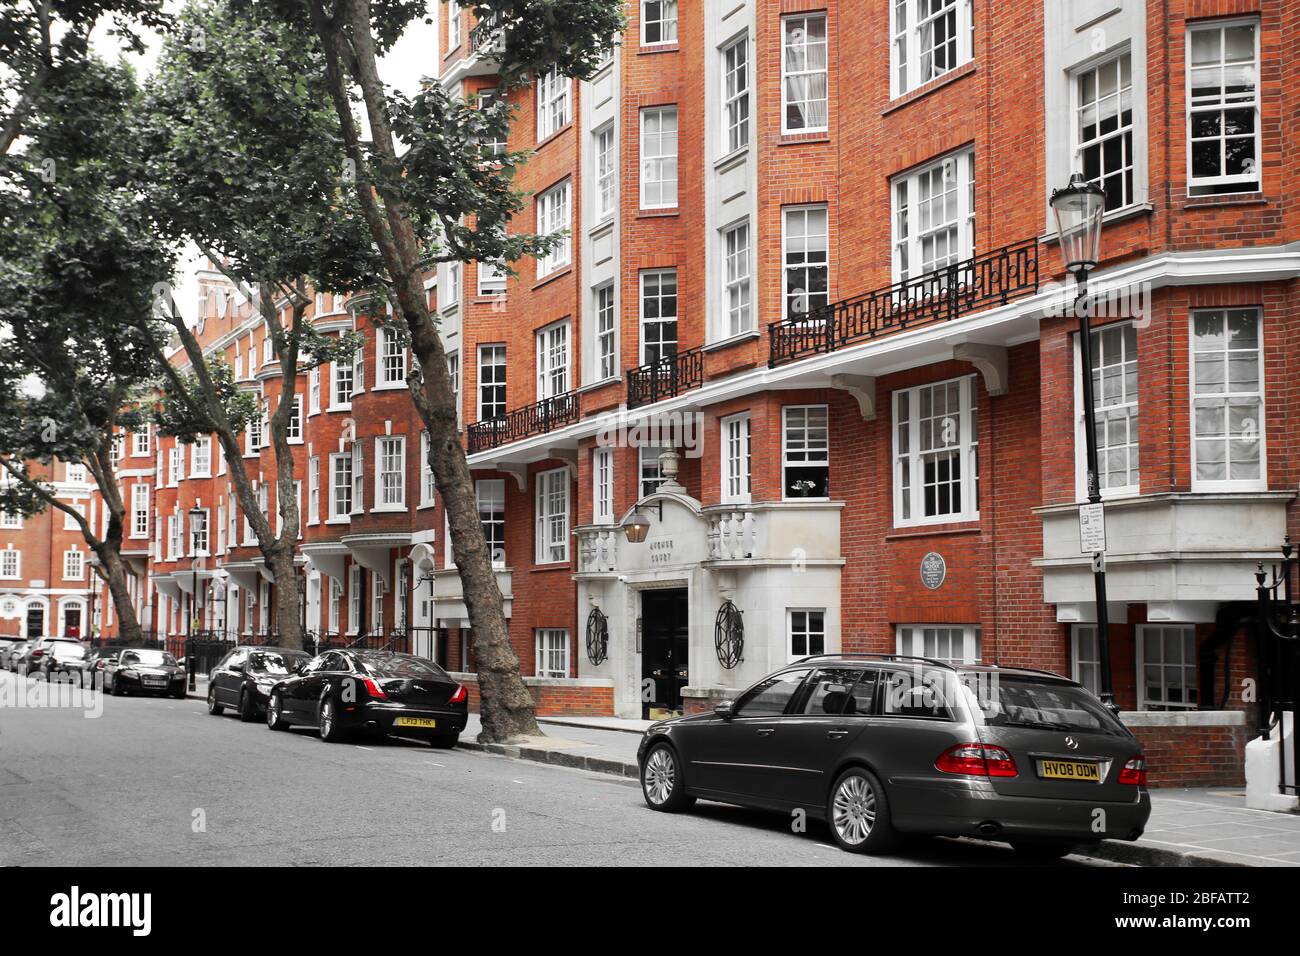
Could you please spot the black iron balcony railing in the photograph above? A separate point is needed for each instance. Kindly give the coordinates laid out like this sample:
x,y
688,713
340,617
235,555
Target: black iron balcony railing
x,y
488,35
665,378
536,419
942,295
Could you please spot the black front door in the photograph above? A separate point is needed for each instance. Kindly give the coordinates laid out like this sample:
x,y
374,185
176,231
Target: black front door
x,y
664,637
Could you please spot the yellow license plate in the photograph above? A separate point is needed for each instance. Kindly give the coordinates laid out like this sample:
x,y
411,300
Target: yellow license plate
x,y
415,722
1069,770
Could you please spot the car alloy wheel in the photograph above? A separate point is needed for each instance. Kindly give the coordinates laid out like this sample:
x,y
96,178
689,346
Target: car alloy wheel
x,y
328,724
274,719
660,771
854,809
662,782
213,706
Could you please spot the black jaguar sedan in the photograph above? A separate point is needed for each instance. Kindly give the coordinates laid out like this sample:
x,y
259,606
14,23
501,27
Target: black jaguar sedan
x,y
379,692
143,670
243,679
879,745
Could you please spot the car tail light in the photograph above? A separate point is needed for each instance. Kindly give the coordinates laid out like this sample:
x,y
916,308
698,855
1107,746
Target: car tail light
x,y
458,694
1134,772
38,653
979,760
373,689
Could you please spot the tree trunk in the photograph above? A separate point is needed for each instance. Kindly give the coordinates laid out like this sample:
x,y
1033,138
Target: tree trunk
x,y
288,625
505,706
114,575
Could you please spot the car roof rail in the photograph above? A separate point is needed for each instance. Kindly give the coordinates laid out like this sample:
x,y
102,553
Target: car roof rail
x,y
870,656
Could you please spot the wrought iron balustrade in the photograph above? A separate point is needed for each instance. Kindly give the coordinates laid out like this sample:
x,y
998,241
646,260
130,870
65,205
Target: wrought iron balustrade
x,y
536,419
669,376
941,295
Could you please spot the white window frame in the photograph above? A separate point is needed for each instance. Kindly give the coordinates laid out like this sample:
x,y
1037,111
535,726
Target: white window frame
x,y
906,28
313,390
552,104
553,216
359,478
453,25
737,306
1224,104
390,462
664,24
552,525
552,647
336,485
804,244
552,347
790,72
354,598
807,447
341,372
606,149
799,622
649,470
737,460
605,309
454,373
490,278
1227,398
74,565
492,378
11,521
313,490
428,489
1130,408
140,510
1145,703
967,449
910,233
1085,658
910,641
390,360
736,114
602,486
659,152
491,493
1122,95
293,433
11,564
656,351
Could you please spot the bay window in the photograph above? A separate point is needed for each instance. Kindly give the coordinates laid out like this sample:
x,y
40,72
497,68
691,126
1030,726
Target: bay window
x,y
928,39
390,473
934,216
553,220
553,360
553,516
1223,117
805,451
735,459
803,73
805,245
490,494
491,381
552,103
1115,401
602,486
1227,399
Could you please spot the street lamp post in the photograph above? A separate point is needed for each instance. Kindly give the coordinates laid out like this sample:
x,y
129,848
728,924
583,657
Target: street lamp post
x,y
1079,208
197,514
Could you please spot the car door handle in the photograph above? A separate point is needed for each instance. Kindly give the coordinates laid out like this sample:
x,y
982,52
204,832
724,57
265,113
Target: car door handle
x,y
837,734
766,731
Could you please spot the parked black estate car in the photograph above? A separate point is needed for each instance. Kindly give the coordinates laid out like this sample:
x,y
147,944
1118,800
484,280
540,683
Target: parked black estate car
x,y
879,745
243,679
376,691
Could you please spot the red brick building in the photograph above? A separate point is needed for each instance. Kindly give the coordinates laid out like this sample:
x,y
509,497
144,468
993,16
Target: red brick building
x,y
815,239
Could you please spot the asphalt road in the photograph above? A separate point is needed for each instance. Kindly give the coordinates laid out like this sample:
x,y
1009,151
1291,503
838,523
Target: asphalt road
x,y
159,782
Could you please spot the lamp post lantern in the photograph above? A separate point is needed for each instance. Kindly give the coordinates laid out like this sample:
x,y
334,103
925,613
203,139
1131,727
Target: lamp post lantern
x,y
1079,208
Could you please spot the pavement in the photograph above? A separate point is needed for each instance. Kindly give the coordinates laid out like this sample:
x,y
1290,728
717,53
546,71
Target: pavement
x,y
1192,827
134,781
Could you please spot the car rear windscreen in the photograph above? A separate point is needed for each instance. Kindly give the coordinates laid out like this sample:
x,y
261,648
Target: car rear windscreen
x,y
70,652
1008,700
410,668
274,663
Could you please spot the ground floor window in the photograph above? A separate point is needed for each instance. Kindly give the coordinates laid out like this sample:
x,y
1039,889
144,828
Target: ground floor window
x,y
950,643
552,652
807,630
1085,661
1166,667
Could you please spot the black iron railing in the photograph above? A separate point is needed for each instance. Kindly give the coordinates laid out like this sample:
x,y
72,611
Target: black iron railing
x,y
488,36
942,295
535,419
671,375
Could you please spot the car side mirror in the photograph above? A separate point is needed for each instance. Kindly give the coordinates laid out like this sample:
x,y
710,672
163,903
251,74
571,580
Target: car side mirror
x,y
237,668
723,709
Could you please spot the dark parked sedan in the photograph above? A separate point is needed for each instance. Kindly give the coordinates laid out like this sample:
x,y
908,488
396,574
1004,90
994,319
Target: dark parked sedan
x,y
10,656
881,745
143,670
244,678
65,659
375,691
